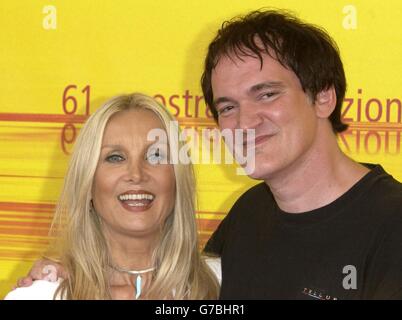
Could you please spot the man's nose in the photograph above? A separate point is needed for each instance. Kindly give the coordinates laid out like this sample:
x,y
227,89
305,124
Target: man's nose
x,y
249,117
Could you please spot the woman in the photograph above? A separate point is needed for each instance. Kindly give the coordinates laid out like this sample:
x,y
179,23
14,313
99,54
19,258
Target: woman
x,y
125,219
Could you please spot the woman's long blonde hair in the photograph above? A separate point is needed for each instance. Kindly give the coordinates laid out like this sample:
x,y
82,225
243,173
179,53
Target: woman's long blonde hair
x,y
81,244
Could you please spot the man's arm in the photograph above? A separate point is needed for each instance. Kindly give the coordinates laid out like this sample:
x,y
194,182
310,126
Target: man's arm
x,y
43,269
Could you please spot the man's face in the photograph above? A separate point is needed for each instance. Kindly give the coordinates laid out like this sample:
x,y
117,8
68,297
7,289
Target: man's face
x,y
271,101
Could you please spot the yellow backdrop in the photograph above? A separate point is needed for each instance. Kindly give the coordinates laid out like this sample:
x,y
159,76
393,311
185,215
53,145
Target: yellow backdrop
x,y
60,59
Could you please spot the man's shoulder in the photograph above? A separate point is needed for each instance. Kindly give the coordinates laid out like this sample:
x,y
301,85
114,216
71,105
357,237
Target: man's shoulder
x,y
248,202
256,200
380,203
39,290
259,191
385,191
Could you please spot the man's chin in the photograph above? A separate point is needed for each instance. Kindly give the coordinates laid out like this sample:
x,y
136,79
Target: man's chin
x,y
258,173
254,174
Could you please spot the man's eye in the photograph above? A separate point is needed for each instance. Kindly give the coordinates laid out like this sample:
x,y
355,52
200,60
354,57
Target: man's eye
x,y
268,95
225,109
114,158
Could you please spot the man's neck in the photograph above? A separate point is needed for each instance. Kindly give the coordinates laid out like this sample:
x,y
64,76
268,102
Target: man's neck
x,y
323,176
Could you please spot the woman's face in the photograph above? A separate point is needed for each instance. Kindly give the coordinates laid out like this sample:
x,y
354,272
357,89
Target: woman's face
x,y
132,193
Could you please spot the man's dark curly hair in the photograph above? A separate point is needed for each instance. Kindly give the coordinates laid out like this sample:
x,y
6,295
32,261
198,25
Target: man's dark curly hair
x,y
303,48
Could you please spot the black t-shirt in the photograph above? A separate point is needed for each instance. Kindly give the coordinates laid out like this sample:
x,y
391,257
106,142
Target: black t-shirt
x,y
348,249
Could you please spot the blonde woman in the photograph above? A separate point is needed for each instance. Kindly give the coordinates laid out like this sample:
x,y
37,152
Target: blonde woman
x,y
125,221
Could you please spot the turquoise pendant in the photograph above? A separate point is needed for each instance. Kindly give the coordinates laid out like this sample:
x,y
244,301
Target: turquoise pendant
x,y
138,287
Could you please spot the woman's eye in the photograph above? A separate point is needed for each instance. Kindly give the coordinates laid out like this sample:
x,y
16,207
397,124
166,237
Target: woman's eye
x,y
155,156
114,158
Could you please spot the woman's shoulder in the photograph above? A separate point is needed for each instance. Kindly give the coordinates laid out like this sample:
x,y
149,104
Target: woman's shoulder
x,y
39,290
214,263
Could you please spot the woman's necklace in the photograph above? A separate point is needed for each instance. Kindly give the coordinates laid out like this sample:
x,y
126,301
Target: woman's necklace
x,y
138,280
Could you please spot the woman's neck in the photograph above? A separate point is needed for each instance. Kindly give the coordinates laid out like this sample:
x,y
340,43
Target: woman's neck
x,y
128,257
130,253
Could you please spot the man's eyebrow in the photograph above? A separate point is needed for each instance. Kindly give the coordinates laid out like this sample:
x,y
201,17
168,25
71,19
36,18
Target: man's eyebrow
x,y
255,88
265,85
222,100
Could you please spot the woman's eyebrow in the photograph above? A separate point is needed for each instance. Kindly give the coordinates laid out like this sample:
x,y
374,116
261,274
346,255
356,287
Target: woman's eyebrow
x,y
111,146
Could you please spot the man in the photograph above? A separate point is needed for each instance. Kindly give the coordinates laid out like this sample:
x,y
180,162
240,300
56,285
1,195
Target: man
x,y
320,226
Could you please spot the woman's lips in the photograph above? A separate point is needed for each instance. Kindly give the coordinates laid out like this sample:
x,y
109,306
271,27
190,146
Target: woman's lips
x,y
136,205
136,200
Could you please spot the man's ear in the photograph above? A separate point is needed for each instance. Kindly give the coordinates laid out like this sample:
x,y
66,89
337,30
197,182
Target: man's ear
x,y
325,102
